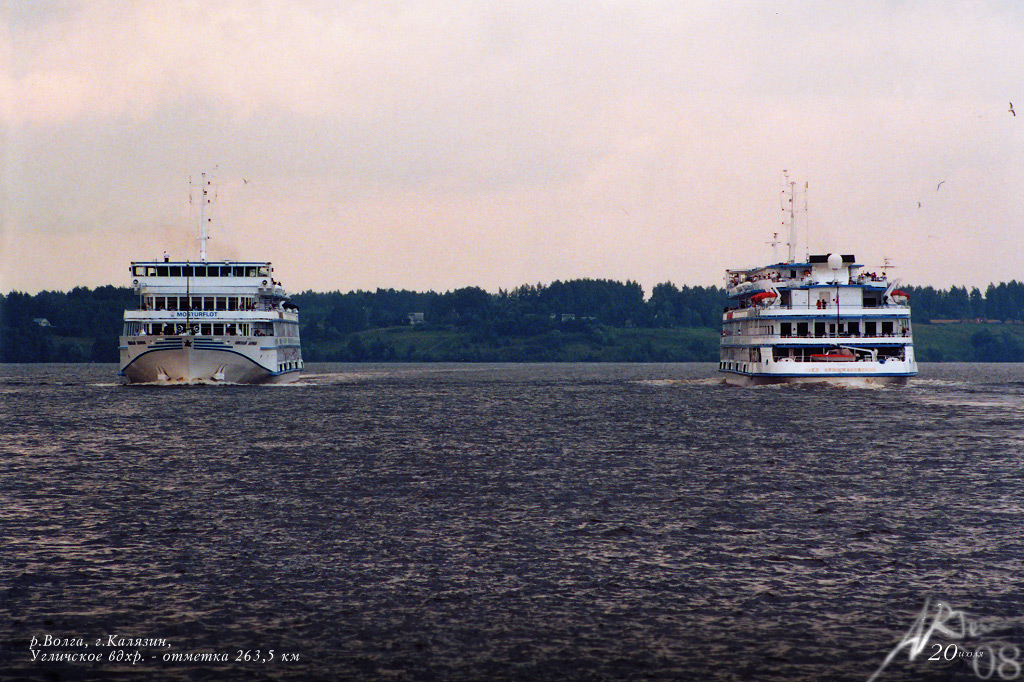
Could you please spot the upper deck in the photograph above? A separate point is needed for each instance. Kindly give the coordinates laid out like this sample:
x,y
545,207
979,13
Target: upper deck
x,y
169,277
816,272
824,286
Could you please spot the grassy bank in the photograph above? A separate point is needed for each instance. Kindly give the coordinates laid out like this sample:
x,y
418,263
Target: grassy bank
x,y
969,342
594,344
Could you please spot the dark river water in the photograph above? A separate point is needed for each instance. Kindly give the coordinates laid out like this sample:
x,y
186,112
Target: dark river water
x,y
511,522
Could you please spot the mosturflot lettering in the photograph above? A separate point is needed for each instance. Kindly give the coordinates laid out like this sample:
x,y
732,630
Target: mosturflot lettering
x,y
196,313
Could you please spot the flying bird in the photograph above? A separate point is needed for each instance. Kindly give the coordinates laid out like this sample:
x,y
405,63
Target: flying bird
x,y
939,185
1011,110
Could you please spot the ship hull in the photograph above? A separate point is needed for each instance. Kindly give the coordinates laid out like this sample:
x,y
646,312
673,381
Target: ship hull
x,y
824,379
198,361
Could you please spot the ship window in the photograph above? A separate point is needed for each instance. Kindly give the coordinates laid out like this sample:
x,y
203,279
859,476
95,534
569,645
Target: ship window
x,y
264,271
208,303
801,329
250,272
869,329
853,328
232,303
222,303
197,303
139,270
819,329
161,271
832,329
886,328
786,328
174,271
218,329
188,271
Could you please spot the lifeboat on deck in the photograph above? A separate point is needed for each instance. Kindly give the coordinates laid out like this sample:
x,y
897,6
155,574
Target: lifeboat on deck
x,y
763,298
899,296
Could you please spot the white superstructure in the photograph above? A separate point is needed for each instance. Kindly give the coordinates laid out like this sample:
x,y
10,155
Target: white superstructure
x,y
226,321
823,320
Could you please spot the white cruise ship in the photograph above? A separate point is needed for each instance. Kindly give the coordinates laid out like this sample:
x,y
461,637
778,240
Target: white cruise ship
x,y
824,320
205,322
209,322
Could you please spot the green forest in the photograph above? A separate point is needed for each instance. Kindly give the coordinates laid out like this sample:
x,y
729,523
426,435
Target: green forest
x,y
583,320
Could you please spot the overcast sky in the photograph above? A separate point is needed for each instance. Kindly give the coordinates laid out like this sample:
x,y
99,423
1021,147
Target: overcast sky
x,y
435,144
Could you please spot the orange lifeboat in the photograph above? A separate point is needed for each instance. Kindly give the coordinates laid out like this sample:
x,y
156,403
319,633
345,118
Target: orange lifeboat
x,y
763,297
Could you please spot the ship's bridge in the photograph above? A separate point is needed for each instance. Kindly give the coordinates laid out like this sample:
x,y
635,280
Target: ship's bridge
x,y
185,269
225,276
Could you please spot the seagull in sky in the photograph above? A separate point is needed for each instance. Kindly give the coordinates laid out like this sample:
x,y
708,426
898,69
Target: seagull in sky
x,y
939,185
1012,111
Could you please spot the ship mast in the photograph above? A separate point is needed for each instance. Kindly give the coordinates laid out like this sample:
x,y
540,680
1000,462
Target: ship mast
x,y
789,213
204,235
791,218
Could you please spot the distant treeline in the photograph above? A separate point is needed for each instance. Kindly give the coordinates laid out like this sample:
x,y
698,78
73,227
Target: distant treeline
x,y
575,319
1003,302
525,311
81,325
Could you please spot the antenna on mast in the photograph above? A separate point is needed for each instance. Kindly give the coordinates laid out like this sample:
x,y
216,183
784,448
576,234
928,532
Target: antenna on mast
x,y
774,242
886,265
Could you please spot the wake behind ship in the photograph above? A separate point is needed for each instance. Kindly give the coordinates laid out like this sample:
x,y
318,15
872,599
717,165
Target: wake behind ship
x,y
222,322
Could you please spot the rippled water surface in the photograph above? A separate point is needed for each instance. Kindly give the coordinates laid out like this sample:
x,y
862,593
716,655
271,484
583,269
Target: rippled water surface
x,y
507,522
